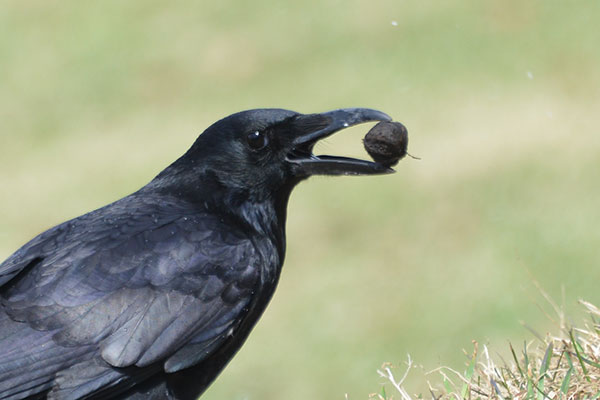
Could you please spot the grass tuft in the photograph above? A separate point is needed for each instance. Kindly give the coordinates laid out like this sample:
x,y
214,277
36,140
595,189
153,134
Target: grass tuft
x,y
563,366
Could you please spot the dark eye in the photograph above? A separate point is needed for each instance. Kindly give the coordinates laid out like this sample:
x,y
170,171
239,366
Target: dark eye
x,y
257,140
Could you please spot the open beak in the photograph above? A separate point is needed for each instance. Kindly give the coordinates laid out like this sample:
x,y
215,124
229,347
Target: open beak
x,y
314,127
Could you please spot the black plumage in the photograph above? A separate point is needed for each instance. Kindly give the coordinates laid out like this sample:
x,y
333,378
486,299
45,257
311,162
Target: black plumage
x,y
149,297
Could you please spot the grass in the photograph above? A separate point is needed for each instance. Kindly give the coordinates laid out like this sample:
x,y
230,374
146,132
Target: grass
x,y
560,366
500,100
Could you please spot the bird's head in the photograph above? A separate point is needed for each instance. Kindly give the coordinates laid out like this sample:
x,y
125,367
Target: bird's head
x,y
266,152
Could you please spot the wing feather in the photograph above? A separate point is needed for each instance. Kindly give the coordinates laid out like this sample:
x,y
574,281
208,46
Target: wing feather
x,y
162,288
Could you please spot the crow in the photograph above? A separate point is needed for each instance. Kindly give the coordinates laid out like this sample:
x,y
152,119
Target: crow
x,y
149,297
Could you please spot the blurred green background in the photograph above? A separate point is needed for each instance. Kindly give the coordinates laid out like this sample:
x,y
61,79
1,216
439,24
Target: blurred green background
x,y
502,102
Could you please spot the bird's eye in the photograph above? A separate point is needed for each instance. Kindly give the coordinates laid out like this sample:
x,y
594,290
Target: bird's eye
x,y
257,140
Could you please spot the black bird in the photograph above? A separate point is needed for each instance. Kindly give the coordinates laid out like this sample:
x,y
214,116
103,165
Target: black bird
x,y
149,297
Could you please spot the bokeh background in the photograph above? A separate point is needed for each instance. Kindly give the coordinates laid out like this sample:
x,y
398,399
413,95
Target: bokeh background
x,y
502,102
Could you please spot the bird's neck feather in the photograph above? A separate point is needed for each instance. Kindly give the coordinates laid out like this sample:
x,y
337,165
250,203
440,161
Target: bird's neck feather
x,y
264,212
266,217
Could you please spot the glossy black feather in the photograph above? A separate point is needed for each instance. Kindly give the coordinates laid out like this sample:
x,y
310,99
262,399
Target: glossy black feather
x,y
151,296
132,288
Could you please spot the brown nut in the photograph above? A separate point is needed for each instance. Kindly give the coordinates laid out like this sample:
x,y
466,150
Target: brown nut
x,y
387,142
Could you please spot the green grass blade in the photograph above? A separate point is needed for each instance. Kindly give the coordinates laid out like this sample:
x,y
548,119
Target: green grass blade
x,y
543,369
569,360
526,357
468,375
590,362
579,357
564,387
447,386
512,350
530,395
546,360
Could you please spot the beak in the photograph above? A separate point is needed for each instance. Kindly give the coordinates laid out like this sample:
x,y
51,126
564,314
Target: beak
x,y
314,127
